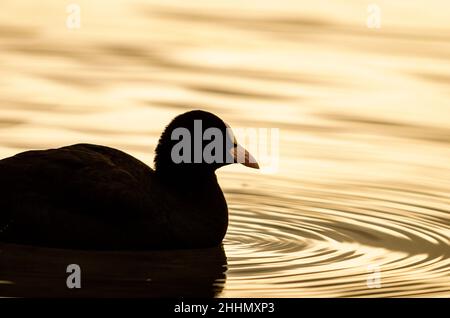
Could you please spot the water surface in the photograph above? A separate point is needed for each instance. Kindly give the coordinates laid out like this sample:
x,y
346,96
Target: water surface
x,y
364,118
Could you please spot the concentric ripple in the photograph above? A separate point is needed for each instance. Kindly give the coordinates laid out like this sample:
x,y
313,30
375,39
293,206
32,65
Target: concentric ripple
x,y
323,241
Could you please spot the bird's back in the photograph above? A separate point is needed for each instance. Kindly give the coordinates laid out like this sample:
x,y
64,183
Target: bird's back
x,y
82,195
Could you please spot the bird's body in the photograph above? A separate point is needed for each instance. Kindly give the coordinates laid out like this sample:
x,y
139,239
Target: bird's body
x,y
94,197
89,196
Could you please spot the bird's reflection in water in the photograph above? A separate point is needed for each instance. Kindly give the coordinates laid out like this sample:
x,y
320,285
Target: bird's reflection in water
x,y
41,272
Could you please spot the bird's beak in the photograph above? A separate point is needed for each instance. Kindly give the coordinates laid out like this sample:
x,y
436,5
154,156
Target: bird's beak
x,y
241,155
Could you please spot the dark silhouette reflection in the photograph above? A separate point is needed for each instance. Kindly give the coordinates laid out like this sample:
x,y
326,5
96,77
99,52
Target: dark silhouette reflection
x,y
27,271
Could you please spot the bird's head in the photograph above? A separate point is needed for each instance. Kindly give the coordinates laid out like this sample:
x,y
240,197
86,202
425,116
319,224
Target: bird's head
x,y
198,143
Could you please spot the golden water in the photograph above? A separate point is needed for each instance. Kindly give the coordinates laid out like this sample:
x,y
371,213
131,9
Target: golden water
x,y
364,119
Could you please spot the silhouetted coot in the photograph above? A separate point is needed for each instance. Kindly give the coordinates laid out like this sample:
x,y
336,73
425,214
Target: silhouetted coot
x,y
94,197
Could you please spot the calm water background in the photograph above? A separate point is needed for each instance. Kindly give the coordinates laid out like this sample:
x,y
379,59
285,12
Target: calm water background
x,y
364,119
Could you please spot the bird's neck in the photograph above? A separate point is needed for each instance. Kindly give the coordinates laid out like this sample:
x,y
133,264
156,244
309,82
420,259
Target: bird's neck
x,y
189,181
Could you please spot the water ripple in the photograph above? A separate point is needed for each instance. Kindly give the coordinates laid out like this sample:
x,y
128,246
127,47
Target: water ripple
x,y
325,242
